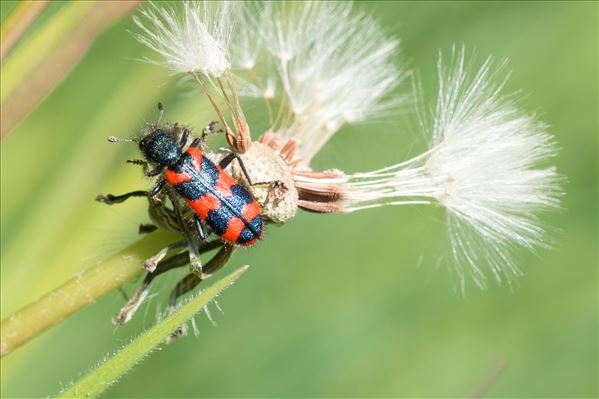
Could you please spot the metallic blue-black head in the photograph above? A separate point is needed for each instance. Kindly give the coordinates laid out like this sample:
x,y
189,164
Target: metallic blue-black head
x,y
160,147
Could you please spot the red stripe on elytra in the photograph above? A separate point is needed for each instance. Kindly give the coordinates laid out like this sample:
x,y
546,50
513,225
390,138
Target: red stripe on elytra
x,y
234,229
196,156
250,211
204,204
224,184
175,178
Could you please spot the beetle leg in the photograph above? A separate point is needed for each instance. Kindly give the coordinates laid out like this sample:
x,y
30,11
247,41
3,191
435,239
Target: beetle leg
x,y
156,189
195,264
212,128
184,137
197,142
186,284
146,167
127,311
226,161
192,280
150,264
147,228
110,199
153,172
199,228
160,214
274,184
140,162
179,260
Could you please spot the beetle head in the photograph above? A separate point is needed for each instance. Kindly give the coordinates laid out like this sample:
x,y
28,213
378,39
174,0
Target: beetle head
x,y
160,147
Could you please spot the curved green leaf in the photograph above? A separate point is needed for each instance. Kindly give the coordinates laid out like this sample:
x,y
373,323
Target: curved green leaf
x,y
110,371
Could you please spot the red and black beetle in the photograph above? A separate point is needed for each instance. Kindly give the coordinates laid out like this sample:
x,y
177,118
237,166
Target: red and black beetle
x,y
216,198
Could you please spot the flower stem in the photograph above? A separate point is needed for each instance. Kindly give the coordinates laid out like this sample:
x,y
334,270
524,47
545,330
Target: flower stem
x,y
80,291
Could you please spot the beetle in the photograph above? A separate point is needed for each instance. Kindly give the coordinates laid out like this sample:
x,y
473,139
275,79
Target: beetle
x,y
216,198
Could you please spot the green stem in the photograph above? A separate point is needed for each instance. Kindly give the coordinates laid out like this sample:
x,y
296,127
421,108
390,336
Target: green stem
x,y
78,292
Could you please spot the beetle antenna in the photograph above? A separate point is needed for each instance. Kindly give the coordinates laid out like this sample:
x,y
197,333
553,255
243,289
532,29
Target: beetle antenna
x,y
113,139
161,109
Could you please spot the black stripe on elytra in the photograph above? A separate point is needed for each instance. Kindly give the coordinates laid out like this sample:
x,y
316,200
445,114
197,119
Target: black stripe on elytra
x,y
242,194
209,171
218,220
247,234
192,190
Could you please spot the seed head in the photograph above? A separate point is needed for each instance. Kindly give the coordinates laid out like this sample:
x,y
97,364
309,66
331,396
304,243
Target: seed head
x,y
335,65
194,40
325,64
486,166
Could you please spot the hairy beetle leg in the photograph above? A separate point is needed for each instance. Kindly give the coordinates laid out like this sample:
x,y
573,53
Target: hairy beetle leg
x,y
151,263
146,167
110,199
195,264
198,226
212,128
156,189
126,313
226,161
147,228
184,138
192,280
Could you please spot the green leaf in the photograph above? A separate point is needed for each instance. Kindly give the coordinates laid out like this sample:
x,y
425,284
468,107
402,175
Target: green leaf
x,y
110,371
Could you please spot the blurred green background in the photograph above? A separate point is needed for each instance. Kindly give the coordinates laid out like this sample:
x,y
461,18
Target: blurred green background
x,y
337,305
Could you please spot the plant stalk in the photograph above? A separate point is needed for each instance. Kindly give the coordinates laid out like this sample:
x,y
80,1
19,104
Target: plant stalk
x,y
80,291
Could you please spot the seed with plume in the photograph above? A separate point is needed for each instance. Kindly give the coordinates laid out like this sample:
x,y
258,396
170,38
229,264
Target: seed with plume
x,y
194,40
484,165
335,66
